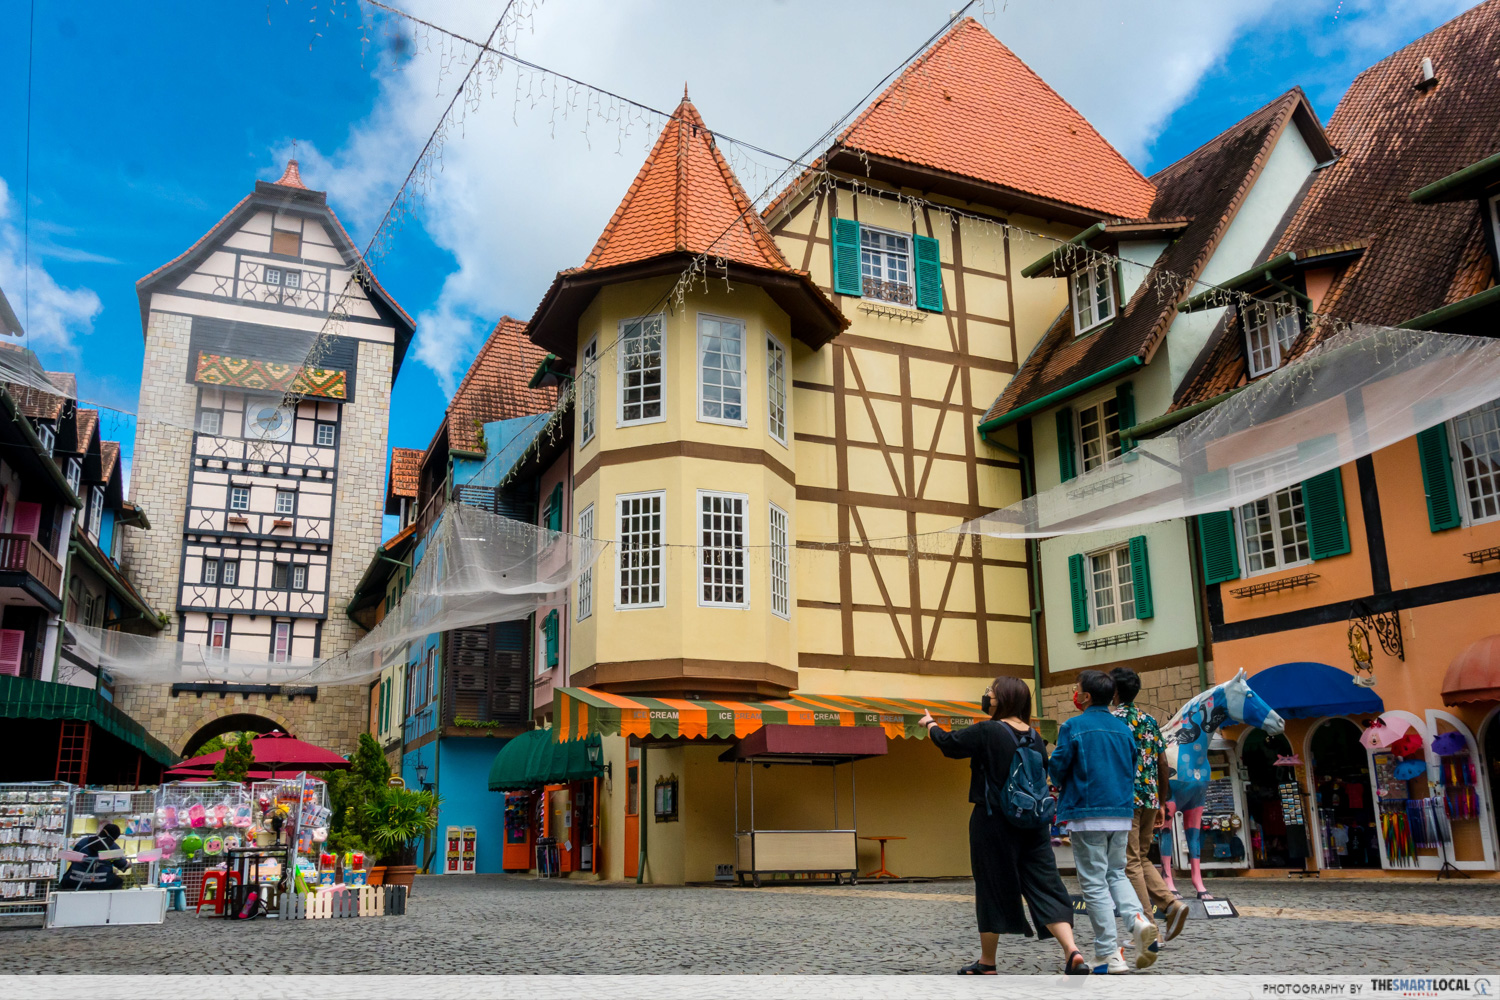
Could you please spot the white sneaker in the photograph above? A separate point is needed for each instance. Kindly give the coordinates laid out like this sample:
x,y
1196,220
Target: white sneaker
x,y
1115,965
1144,934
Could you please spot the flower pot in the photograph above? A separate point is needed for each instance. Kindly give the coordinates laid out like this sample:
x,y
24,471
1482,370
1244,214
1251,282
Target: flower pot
x,y
401,875
376,876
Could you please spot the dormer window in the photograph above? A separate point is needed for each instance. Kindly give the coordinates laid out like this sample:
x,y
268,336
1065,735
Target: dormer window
x,y
75,474
1093,295
46,436
885,266
1271,328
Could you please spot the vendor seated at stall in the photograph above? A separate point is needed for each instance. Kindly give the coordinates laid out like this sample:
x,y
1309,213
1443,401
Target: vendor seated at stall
x,y
96,872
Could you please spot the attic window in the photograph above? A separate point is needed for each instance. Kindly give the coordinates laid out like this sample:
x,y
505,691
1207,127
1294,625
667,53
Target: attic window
x,y
1271,328
1093,294
288,244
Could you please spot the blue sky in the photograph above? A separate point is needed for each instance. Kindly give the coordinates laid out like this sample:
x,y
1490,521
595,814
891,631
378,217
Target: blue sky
x,y
149,121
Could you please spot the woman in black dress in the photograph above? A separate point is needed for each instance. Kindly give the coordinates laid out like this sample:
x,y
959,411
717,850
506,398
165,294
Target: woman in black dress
x,y
1009,862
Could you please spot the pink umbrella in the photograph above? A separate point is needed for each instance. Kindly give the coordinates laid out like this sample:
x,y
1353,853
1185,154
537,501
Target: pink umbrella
x,y
273,752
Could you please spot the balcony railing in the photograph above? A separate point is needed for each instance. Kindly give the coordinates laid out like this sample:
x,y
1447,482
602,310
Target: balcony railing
x,y
22,554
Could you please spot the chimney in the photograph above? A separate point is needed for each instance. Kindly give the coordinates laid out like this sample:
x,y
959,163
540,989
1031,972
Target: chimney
x,y
1429,75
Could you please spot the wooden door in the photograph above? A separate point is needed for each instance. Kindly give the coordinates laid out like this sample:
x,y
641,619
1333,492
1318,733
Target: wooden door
x,y
632,817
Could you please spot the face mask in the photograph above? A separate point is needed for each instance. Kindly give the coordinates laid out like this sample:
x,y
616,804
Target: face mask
x,y
1080,700
985,705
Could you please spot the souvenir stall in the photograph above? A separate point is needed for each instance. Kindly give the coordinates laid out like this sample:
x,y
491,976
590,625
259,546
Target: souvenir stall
x,y
1266,764
35,818
1428,797
1222,843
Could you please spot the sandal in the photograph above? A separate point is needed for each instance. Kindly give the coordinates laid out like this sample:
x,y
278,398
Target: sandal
x,y
977,968
1076,965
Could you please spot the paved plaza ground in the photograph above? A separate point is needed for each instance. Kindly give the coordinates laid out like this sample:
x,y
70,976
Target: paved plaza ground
x,y
512,924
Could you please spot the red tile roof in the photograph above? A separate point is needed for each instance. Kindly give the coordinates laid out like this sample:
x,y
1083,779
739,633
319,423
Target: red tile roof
x,y
1207,187
686,199
109,456
968,106
291,176
495,386
405,463
1394,137
40,405
88,422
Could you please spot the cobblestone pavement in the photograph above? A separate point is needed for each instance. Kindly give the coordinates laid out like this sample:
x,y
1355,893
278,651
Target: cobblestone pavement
x,y
503,924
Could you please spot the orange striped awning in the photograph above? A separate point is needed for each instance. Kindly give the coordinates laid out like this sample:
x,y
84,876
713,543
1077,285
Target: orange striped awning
x,y
583,711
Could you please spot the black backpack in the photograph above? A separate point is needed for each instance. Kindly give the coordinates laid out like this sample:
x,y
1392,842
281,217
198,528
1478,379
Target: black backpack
x,y
1023,799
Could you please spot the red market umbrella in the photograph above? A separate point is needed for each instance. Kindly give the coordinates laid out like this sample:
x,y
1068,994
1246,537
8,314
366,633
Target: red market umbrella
x,y
273,752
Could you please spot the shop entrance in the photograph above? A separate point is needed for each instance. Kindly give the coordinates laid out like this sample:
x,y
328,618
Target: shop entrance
x,y
1346,821
1491,752
632,813
1270,846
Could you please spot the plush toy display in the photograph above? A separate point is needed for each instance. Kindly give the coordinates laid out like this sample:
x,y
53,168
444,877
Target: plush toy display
x,y
192,844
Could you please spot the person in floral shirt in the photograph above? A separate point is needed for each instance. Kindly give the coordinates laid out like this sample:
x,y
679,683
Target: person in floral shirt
x,y
1151,793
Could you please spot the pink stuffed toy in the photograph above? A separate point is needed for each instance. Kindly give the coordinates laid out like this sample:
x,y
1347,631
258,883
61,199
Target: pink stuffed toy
x,y
197,816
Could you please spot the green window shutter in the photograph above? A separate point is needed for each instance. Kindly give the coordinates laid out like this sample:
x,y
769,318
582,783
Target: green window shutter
x,y
1078,588
845,234
929,272
1323,506
1125,407
1437,478
1066,467
1221,557
1140,577
554,509
549,629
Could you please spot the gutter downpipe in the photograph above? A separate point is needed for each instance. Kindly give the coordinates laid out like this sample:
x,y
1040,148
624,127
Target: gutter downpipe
x,y
1036,405
1033,554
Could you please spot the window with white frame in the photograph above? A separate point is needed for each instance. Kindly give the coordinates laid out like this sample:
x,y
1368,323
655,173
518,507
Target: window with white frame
x,y
286,501
209,421
639,550
1271,328
299,576
885,266
218,634
210,571
327,434
1476,438
586,578
642,370
781,577
95,511
229,572
1272,530
776,388
1099,432
721,546
75,475
47,436
281,648
1112,586
239,498
588,391
721,370
1093,296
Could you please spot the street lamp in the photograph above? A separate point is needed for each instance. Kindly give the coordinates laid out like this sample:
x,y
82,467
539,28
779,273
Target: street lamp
x,y
422,777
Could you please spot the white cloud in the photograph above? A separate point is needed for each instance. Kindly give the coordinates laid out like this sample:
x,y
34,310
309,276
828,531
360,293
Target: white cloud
x,y
54,316
521,196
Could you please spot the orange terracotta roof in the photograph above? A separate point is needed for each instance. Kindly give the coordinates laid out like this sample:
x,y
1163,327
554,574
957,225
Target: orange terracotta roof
x,y
291,177
88,422
404,465
968,106
686,199
39,405
496,386
109,456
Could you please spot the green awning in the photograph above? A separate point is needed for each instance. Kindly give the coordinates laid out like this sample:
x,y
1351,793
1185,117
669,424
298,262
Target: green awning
x,y
534,759
24,698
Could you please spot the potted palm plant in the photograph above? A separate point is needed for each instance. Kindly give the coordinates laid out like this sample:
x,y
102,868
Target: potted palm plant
x,y
398,819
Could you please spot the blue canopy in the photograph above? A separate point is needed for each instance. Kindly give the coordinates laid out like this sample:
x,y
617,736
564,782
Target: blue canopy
x,y
1310,690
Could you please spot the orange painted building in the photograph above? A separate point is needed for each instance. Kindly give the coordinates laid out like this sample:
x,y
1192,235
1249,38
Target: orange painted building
x,y
1374,592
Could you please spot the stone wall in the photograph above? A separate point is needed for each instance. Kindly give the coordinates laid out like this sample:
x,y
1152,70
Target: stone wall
x,y
1163,692
334,721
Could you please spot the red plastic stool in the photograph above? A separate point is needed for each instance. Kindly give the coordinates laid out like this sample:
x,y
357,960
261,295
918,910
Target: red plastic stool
x,y
221,896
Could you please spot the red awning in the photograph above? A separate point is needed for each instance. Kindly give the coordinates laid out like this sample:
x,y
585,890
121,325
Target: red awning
x,y
1474,674
809,744
275,752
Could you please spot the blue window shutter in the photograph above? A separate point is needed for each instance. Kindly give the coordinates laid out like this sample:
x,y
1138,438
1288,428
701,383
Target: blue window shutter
x,y
1437,478
1140,577
1221,557
1078,589
554,509
1125,407
929,272
1323,506
1066,467
845,235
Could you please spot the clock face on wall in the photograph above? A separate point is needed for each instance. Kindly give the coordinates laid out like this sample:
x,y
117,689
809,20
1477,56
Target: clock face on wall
x,y
270,422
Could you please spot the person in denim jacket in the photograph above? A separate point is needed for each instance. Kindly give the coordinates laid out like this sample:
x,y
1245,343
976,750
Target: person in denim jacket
x,y
1093,768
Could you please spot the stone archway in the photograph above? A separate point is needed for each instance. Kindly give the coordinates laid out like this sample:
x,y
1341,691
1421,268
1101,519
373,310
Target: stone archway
x,y
225,720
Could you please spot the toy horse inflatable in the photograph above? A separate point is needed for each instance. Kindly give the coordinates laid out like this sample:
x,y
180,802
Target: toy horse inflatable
x,y
1187,736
